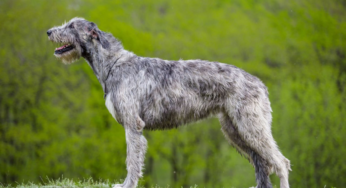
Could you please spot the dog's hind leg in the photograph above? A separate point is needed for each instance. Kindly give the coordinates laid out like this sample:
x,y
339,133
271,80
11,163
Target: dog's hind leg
x,y
252,125
261,166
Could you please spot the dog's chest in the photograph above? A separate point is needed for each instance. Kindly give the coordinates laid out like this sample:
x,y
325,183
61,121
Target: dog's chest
x,y
110,106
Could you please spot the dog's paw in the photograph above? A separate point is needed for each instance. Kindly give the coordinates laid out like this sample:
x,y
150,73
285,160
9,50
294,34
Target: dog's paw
x,y
118,186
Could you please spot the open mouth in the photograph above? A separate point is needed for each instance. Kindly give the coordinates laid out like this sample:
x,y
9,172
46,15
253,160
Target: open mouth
x,y
64,48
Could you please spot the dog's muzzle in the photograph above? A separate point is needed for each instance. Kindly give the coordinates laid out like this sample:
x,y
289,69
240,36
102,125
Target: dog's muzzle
x,y
49,32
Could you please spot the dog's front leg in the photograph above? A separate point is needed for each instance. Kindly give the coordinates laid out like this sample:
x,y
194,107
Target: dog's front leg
x,y
136,148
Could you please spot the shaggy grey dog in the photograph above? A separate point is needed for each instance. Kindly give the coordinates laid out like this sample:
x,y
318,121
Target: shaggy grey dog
x,y
150,93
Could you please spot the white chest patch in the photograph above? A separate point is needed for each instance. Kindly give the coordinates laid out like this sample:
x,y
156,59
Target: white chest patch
x,y
110,105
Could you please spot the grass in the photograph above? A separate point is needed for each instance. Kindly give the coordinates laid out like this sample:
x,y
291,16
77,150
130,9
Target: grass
x,y
64,182
86,183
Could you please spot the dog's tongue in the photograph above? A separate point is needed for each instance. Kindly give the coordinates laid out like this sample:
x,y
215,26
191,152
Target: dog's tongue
x,y
61,47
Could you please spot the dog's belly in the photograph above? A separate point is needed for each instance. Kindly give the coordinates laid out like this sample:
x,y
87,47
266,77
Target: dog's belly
x,y
172,115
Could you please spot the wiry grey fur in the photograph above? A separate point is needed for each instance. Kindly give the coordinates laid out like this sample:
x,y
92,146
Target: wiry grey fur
x,y
151,93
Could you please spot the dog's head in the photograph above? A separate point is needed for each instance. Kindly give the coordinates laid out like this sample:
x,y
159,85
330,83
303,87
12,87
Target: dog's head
x,y
76,38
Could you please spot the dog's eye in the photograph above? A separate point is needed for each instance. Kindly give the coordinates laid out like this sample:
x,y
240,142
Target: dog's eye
x,y
71,26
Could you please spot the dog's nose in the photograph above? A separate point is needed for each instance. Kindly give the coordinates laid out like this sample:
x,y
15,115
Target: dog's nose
x,y
49,32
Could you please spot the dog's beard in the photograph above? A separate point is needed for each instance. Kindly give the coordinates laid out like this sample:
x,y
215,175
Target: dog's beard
x,y
69,56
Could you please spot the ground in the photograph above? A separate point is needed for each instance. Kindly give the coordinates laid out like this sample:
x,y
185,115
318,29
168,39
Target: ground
x,y
64,182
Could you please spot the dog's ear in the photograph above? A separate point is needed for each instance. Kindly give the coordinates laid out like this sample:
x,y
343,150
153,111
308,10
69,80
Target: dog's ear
x,y
102,38
95,33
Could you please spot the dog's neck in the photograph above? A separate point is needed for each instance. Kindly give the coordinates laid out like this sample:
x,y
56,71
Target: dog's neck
x,y
100,66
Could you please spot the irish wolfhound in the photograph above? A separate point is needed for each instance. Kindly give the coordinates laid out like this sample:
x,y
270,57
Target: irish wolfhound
x,y
151,93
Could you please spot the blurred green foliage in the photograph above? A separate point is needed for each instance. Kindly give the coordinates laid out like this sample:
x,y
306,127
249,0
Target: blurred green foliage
x,y
53,121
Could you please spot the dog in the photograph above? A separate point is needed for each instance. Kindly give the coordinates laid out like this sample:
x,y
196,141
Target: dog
x,y
144,93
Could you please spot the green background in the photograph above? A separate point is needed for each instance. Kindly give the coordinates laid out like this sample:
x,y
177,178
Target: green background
x,y
53,121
